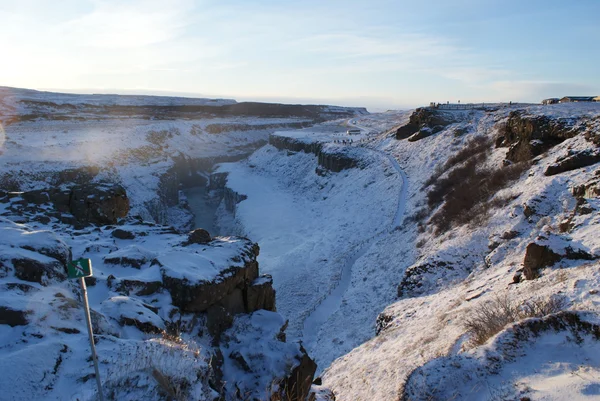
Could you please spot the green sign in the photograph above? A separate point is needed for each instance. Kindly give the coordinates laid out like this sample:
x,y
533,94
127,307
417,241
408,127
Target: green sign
x,y
80,268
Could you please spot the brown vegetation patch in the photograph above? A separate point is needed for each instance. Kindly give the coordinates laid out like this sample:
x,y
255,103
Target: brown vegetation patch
x,y
489,318
463,192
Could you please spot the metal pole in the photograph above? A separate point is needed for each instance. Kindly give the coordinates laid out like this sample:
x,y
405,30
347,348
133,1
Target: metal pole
x,y
91,334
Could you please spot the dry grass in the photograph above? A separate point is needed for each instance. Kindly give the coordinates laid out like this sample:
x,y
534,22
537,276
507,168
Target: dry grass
x,y
463,191
489,318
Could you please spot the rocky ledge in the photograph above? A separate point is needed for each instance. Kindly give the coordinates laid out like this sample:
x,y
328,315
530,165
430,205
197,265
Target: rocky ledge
x,y
158,300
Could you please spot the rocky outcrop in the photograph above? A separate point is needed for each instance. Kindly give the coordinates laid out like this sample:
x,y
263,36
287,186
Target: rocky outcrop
x,y
217,181
198,297
81,205
573,160
34,256
199,289
13,317
98,204
231,291
260,294
424,122
336,160
249,347
232,198
536,258
528,136
333,159
415,276
296,386
424,133
590,189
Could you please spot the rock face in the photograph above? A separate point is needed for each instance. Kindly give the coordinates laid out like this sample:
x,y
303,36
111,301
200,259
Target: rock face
x,y
297,385
217,181
81,205
261,294
332,159
590,189
232,291
98,204
536,258
198,297
423,123
249,346
232,198
529,136
199,289
336,161
573,160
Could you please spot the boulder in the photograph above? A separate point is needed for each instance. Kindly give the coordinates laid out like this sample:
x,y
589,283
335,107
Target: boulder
x,y
422,133
536,258
130,256
122,234
198,236
13,317
133,312
572,161
38,269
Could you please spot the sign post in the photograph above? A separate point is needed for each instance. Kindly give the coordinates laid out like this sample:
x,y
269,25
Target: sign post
x,y
80,269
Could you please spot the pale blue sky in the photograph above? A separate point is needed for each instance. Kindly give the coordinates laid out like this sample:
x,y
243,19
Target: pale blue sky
x,y
377,53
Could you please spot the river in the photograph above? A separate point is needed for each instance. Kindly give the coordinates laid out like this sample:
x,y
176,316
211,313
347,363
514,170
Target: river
x,y
204,209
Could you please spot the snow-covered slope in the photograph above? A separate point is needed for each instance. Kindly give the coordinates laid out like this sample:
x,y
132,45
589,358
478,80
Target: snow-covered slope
x,y
443,276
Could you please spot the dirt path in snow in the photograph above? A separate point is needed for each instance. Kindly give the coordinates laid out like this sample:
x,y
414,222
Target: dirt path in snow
x,y
323,310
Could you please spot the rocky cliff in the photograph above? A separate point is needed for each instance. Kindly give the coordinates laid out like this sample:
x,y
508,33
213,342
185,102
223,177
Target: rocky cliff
x,y
153,291
332,158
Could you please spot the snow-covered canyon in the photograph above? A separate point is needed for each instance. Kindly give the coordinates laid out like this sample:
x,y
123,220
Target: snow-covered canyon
x,y
387,250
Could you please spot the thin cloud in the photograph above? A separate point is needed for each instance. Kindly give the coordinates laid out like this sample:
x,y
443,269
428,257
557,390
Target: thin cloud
x,y
139,23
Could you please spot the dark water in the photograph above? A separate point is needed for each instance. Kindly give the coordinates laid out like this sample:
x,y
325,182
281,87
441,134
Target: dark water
x,y
203,209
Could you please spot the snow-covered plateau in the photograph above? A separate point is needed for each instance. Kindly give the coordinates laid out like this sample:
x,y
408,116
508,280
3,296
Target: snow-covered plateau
x,y
437,255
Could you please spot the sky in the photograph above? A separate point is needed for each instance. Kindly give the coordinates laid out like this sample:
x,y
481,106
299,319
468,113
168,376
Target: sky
x,y
381,54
